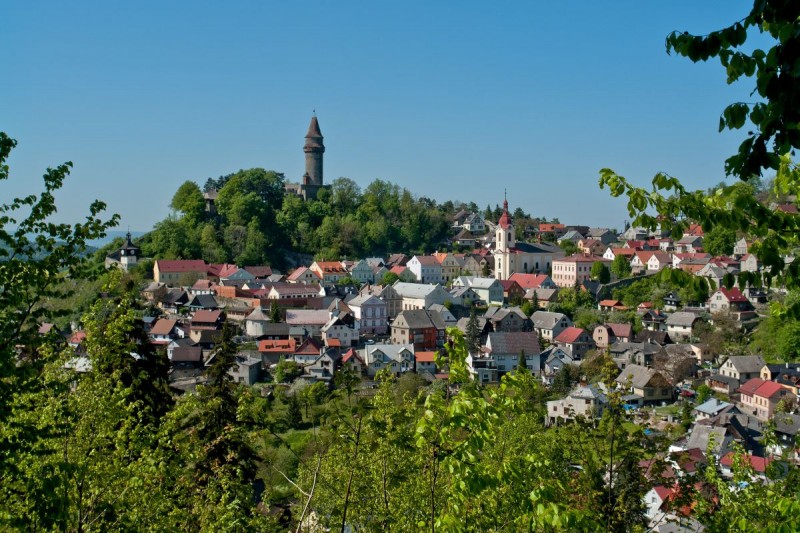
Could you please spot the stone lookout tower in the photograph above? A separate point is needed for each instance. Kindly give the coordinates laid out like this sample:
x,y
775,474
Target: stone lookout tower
x,y
313,150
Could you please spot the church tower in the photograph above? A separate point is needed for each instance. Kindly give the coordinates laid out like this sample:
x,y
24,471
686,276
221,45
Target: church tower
x,y
504,242
313,150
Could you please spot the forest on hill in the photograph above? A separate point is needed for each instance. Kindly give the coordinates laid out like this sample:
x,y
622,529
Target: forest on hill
x,y
256,222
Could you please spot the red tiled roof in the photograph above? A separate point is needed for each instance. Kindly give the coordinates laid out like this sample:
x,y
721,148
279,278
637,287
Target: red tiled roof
x,y
581,258
759,464
309,346
294,276
695,230
528,281
662,491
259,271
750,386
333,342
181,265
397,269
570,335
425,357
204,315
621,330
636,245
767,389
544,228
163,326
505,218
331,267
277,345
222,270
733,295
630,252
77,337
427,260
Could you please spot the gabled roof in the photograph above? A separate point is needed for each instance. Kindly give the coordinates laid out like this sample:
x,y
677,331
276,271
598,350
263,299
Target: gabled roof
x,y
181,265
769,389
426,260
528,281
277,345
514,342
308,347
425,357
414,290
641,377
547,319
204,315
746,364
164,326
759,464
681,318
733,295
570,335
621,330
299,272
301,317
331,267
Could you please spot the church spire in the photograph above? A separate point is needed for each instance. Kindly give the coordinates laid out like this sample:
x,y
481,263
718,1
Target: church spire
x,y
505,218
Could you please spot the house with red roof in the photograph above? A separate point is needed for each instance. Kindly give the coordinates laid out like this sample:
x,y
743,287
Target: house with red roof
x,y
426,362
732,462
533,281
165,330
330,271
273,349
303,275
575,342
179,271
762,397
731,301
207,319
605,335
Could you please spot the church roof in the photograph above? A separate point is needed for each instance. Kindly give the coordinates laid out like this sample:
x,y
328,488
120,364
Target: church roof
x,y
505,218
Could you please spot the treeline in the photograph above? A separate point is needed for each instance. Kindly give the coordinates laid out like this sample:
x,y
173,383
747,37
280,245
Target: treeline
x,y
257,222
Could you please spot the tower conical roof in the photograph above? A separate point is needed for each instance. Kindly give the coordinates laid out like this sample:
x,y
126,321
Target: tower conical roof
x,y
313,129
505,218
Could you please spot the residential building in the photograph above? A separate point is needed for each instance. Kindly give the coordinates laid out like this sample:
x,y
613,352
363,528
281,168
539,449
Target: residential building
x,y
584,400
646,383
506,347
397,358
550,325
575,269
371,312
419,296
680,324
575,341
424,329
489,290
426,268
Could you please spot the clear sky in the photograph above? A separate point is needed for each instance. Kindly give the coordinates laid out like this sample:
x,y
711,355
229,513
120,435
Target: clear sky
x,y
452,100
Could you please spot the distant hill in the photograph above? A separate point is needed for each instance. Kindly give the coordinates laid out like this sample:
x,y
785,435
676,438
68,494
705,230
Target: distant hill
x,y
99,243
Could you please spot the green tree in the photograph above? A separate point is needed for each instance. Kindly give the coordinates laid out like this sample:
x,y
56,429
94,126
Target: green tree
x,y
719,241
621,267
472,332
274,312
773,134
286,371
189,201
600,272
389,278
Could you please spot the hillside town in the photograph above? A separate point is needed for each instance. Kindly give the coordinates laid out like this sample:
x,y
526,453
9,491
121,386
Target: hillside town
x,y
396,315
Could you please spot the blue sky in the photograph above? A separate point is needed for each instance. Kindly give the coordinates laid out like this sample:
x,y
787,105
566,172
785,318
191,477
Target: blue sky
x,y
451,100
